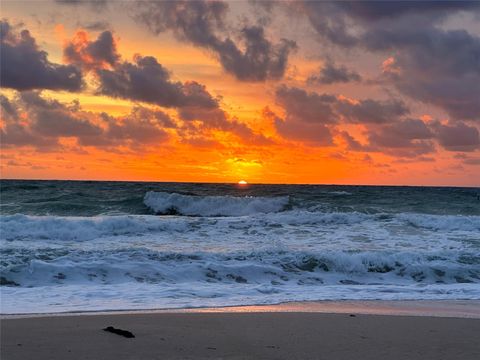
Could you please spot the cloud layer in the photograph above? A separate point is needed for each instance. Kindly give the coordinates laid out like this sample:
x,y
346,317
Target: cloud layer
x,y
314,118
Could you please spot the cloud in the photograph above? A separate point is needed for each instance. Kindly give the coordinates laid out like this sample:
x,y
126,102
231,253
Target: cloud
x,y
330,109
96,5
148,81
217,119
353,144
308,107
408,138
312,117
94,25
294,128
39,122
203,24
97,54
46,121
13,131
331,73
433,65
436,67
9,111
371,110
25,67
261,60
144,79
457,137
414,137
345,23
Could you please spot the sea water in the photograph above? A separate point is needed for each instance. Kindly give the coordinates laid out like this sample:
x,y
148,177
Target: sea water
x,y
89,246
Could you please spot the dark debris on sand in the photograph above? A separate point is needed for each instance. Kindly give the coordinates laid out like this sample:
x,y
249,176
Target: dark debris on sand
x,y
124,333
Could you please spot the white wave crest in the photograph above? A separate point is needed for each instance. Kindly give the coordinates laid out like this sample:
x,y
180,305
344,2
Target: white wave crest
x,y
23,227
443,222
340,192
43,266
173,203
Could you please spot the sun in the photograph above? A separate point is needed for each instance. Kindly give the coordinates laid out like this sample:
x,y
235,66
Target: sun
x,y
242,182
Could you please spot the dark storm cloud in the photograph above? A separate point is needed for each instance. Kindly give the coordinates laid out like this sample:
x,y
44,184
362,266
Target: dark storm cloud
x,y
25,67
331,73
432,65
92,54
202,22
148,81
458,137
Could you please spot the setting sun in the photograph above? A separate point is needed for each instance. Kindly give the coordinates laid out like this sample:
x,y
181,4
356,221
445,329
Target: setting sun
x,y
242,182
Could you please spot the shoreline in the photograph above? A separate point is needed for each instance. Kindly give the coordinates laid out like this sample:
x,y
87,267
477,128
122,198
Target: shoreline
x,y
426,308
241,335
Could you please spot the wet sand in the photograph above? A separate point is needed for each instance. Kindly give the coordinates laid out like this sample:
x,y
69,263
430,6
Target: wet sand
x,y
241,335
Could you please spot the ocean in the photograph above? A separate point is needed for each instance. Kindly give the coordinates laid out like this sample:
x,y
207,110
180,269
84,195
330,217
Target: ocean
x,y
69,246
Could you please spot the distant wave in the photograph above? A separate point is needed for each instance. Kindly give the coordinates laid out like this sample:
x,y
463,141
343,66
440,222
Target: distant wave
x,y
442,222
341,192
176,204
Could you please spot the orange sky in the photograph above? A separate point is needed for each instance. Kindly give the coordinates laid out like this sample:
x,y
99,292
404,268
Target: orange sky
x,y
251,129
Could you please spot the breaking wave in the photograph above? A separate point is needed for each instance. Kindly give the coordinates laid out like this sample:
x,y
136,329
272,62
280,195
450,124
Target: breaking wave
x,y
164,203
443,222
49,266
69,228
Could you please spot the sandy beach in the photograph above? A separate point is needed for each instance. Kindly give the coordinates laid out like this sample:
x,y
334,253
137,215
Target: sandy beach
x,y
251,334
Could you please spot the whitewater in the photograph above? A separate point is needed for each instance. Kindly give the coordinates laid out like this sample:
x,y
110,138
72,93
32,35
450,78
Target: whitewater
x,y
92,246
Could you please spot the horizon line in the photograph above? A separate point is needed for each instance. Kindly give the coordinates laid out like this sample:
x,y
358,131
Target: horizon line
x,y
249,183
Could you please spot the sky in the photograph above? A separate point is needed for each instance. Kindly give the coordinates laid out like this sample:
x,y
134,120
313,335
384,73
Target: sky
x,y
218,91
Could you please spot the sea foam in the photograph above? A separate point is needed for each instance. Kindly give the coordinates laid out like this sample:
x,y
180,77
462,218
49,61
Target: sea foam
x,y
173,203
